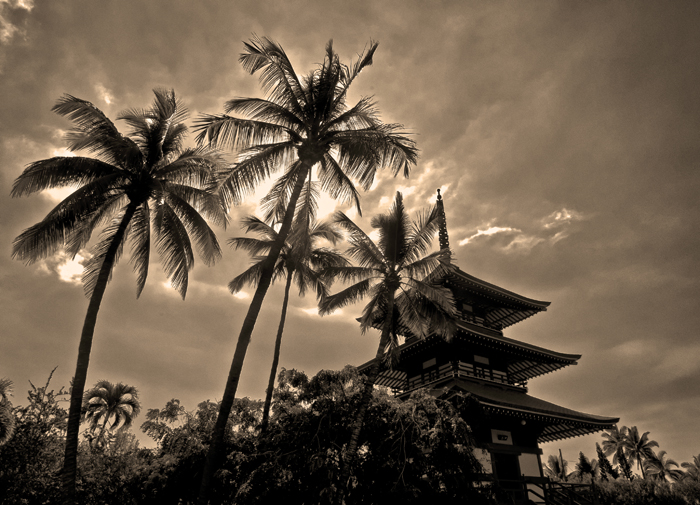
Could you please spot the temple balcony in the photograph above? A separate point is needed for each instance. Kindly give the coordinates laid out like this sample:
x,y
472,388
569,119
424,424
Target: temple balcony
x,y
459,369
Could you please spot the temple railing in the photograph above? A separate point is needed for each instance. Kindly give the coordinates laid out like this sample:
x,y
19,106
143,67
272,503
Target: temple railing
x,y
548,493
460,369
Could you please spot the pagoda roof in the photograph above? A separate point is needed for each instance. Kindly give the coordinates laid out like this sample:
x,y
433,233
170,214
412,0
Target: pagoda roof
x,y
512,307
559,422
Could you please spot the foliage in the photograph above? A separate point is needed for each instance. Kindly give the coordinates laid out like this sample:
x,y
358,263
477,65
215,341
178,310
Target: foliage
x,y
606,469
647,492
692,469
586,470
7,419
30,461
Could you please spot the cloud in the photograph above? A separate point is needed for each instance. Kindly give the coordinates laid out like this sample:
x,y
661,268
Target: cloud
x,y
241,295
562,217
7,28
72,270
104,93
493,230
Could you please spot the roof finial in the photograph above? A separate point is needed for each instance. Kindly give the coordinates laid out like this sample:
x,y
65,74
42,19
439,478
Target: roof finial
x,y
444,237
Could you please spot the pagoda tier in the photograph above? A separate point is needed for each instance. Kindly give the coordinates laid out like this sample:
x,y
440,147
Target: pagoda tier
x,y
474,352
546,421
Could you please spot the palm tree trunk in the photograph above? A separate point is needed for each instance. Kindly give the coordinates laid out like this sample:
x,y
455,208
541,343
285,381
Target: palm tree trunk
x,y
217,441
351,451
276,358
69,472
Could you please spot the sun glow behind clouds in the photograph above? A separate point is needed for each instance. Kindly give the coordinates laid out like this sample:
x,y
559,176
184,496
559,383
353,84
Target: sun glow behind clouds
x,y
71,270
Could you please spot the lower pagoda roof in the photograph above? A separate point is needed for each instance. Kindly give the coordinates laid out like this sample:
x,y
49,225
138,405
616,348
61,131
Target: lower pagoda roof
x,y
559,422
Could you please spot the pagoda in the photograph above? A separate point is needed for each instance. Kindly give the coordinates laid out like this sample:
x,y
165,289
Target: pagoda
x,y
494,369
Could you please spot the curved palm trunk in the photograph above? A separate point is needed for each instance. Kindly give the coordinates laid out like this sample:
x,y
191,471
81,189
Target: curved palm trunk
x,y
69,471
276,358
217,442
351,451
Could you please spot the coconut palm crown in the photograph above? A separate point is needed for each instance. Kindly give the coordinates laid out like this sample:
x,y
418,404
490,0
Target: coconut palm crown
x,y
304,122
402,282
118,403
142,184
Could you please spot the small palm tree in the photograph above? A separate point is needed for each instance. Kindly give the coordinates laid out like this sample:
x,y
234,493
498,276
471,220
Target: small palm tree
x,y
639,448
300,260
137,183
661,467
557,469
402,283
7,416
614,443
692,470
106,401
303,123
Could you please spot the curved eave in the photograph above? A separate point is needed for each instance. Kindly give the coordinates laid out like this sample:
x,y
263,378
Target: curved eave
x,y
535,360
480,286
558,422
557,427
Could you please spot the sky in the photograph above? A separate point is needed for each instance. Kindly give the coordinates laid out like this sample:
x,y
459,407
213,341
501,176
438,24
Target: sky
x,y
565,137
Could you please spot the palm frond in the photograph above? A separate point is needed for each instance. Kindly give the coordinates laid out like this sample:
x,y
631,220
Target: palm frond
x,y
141,245
336,183
174,247
196,227
224,131
266,111
59,172
249,277
245,175
94,132
345,297
277,75
92,268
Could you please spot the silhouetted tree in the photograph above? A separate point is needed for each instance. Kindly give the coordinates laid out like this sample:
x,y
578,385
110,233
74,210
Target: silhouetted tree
x,y
135,183
106,401
304,123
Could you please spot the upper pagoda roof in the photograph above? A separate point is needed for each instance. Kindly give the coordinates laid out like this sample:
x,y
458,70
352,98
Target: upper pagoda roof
x,y
558,422
508,307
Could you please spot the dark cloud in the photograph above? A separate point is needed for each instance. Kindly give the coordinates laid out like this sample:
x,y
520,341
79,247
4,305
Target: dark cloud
x,y
588,112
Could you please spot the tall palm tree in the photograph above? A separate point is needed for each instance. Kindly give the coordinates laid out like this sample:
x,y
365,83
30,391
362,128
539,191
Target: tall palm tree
x,y
585,467
692,470
303,123
402,283
300,260
7,416
107,401
135,183
661,467
639,448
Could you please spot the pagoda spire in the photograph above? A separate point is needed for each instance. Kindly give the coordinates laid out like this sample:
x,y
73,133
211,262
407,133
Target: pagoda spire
x,y
444,237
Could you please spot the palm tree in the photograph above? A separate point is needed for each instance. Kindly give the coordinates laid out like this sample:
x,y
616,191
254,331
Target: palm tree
x,y
661,467
614,442
557,469
692,470
402,283
303,123
137,182
639,448
106,401
7,416
300,260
